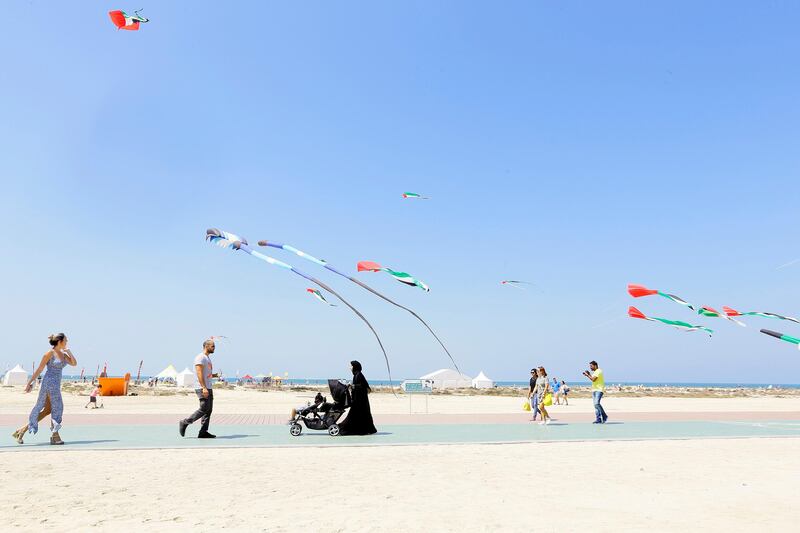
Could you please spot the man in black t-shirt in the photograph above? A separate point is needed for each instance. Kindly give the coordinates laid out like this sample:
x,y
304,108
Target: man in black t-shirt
x,y
532,395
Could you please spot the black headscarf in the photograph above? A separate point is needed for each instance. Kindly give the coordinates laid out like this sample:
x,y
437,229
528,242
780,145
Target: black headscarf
x,y
358,377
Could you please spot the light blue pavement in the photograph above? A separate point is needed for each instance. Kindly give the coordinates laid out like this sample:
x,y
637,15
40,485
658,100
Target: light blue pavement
x,y
110,437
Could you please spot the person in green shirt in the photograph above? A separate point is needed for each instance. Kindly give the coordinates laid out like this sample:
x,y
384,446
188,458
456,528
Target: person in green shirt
x,y
595,375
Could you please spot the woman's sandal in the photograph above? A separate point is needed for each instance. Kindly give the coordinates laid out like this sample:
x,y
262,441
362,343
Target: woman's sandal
x,y
56,439
18,436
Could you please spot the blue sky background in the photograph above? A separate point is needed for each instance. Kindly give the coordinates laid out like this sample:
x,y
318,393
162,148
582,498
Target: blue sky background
x,y
578,145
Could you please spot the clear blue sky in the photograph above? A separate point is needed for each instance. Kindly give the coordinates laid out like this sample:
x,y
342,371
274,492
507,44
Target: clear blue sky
x,y
578,145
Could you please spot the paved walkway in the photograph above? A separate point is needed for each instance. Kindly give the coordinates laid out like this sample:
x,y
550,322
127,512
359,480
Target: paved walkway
x,y
158,436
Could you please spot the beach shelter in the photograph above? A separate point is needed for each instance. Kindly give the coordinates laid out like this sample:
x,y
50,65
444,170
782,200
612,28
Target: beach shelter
x,y
447,378
168,373
16,377
186,378
482,382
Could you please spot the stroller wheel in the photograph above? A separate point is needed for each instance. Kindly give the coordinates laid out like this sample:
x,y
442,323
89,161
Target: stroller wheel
x,y
333,430
295,429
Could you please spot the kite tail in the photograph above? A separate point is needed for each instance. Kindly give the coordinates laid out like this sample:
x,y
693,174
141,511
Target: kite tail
x,y
376,293
345,302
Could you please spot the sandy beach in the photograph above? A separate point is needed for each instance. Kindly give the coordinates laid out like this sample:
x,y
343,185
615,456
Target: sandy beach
x,y
598,485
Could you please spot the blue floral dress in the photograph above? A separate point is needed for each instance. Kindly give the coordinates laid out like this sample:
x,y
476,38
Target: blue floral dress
x,y
51,387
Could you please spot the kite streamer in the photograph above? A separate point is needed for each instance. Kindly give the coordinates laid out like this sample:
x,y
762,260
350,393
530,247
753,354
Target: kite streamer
x,y
781,336
318,295
637,291
734,312
323,263
224,239
414,196
685,326
713,313
123,21
402,277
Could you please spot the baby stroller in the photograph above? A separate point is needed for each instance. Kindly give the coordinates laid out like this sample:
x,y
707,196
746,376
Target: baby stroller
x,y
323,415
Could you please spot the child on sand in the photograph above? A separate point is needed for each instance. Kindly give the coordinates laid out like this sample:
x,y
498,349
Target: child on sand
x,y
93,398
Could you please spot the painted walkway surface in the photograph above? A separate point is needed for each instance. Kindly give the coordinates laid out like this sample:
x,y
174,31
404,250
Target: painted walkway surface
x,y
108,436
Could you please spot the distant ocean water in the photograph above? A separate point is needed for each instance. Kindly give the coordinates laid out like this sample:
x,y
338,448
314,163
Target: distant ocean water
x,y
650,384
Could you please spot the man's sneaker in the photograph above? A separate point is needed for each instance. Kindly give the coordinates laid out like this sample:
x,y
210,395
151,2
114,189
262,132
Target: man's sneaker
x,y
206,435
182,428
597,422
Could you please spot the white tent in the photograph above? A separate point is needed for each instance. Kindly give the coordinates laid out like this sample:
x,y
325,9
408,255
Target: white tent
x,y
482,382
168,372
447,379
16,376
186,378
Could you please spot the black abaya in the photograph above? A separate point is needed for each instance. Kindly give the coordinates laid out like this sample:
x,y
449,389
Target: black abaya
x,y
359,418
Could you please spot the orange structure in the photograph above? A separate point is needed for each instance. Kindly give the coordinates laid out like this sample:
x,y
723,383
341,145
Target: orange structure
x,y
115,386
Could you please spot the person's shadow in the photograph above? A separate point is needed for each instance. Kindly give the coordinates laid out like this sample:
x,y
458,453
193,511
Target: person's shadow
x,y
229,437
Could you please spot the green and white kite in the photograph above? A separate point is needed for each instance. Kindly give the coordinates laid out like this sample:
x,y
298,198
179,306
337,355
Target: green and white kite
x,y
402,277
685,326
414,196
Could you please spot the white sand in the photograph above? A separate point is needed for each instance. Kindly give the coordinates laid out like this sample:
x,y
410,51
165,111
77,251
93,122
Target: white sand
x,y
719,485
732,485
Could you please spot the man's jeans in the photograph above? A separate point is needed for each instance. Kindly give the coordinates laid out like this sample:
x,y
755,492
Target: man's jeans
x,y
534,399
204,412
599,412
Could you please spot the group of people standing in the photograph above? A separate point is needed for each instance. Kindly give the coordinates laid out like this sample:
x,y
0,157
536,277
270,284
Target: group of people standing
x,y
542,393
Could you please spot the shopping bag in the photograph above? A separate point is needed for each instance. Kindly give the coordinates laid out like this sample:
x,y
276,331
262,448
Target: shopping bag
x,y
526,406
548,399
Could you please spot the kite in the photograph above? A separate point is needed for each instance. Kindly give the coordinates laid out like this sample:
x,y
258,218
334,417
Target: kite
x,y
515,283
635,313
734,312
223,239
637,291
781,336
414,196
713,313
318,295
123,21
323,263
402,277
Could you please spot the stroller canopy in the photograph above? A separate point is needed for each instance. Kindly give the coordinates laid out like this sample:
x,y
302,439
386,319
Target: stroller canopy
x,y
339,392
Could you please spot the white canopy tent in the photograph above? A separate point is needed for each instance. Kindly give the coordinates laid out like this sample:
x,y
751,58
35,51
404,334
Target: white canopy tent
x,y
186,378
446,378
168,373
482,382
15,377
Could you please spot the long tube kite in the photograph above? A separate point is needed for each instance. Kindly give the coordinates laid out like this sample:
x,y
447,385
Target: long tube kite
x,y
734,312
637,291
224,239
414,196
685,326
323,263
402,277
713,313
781,336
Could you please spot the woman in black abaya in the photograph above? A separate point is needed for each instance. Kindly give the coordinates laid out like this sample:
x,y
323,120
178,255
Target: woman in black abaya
x,y
359,418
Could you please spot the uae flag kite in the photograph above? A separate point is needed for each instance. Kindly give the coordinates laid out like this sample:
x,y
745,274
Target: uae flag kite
x,y
734,312
402,277
637,291
685,326
123,21
713,313
414,196
318,295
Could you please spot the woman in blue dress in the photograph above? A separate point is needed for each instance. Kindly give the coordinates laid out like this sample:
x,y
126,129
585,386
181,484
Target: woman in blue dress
x,y
49,401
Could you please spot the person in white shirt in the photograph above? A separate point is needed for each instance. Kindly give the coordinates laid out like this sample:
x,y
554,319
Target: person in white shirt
x,y
203,368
